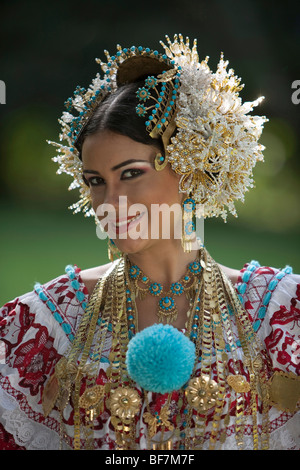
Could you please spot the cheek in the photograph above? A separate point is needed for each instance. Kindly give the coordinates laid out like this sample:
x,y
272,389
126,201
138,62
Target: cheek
x,y
97,199
168,189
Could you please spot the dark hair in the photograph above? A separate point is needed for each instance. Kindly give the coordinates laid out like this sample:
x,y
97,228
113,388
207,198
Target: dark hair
x,y
117,113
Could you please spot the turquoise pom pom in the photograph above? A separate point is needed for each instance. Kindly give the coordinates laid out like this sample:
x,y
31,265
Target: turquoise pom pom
x,y
160,358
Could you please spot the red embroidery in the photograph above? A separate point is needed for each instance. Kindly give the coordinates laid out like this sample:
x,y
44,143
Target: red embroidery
x,y
284,316
34,359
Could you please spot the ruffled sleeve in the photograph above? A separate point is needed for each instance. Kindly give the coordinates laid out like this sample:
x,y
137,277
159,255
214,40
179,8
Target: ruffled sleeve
x,y
35,331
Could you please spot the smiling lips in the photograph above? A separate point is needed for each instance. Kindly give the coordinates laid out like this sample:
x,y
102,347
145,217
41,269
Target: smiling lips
x,y
122,225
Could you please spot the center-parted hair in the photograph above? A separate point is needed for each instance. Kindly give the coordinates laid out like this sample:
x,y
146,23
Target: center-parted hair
x,y
117,113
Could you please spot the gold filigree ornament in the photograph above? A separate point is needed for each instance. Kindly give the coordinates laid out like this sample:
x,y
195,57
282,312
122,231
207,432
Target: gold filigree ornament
x,y
57,389
202,392
238,383
157,420
124,403
91,400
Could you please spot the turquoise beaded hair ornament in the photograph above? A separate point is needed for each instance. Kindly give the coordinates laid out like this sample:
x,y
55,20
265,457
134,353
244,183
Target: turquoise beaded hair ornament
x,y
209,137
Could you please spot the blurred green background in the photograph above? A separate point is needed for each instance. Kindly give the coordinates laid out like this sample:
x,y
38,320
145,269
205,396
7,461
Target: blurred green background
x,y
48,48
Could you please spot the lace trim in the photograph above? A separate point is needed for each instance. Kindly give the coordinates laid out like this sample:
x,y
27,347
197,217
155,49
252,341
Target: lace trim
x,y
26,432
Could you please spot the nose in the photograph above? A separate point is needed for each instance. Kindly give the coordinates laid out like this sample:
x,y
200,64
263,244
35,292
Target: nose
x,y
112,201
112,194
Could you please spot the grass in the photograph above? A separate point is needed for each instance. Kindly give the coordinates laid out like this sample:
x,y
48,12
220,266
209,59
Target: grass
x,y
36,245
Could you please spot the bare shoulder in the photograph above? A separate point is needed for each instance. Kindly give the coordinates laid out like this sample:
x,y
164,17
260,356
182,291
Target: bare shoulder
x,y
90,276
232,274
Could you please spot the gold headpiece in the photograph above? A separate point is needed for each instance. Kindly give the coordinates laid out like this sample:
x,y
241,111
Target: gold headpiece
x,y
208,135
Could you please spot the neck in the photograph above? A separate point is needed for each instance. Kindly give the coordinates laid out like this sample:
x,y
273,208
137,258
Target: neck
x,y
166,262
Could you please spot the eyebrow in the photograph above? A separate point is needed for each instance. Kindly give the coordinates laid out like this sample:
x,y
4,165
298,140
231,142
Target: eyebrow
x,y
116,167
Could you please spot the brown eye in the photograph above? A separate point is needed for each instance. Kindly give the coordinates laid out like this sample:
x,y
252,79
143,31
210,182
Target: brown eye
x,y
93,181
132,173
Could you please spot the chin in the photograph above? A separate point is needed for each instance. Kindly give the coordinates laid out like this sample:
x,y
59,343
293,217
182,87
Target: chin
x,y
131,246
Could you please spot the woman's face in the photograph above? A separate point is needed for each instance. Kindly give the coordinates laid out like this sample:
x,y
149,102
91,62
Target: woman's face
x,y
115,165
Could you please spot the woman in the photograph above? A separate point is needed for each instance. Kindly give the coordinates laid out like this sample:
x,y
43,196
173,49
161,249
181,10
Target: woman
x,y
162,348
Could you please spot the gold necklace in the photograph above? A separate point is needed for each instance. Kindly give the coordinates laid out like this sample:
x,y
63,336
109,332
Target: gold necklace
x,y
215,321
166,307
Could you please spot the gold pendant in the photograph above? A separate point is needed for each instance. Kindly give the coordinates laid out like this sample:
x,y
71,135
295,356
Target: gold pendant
x,y
238,383
50,394
91,397
124,403
284,390
202,392
159,419
167,311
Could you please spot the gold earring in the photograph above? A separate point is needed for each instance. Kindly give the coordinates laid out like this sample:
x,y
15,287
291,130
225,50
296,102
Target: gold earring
x,y
113,251
188,224
160,162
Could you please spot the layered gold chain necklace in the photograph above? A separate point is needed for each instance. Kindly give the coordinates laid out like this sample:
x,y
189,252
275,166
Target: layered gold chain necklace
x,y
216,393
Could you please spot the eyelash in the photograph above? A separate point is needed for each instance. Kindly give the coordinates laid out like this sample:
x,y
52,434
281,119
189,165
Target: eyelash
x,y
88,181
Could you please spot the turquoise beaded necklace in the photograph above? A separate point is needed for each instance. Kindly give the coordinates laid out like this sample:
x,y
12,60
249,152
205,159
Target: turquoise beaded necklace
x,y
167,309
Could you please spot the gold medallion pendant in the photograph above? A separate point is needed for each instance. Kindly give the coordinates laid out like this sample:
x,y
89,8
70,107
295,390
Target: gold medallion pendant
x,y
124,404
202,392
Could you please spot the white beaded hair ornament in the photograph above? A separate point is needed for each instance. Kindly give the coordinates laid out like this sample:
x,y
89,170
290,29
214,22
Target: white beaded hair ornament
x,y
210,139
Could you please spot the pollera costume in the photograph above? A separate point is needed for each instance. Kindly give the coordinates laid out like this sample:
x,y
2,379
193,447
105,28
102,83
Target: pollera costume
x,y
77,373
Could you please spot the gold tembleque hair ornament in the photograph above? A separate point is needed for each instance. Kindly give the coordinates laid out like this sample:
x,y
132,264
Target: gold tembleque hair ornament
x,y
210,137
